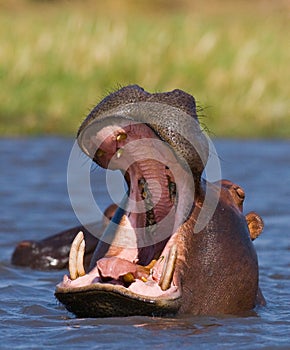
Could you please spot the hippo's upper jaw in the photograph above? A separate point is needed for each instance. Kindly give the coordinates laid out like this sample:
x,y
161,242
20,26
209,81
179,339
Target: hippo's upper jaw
x,y
149,261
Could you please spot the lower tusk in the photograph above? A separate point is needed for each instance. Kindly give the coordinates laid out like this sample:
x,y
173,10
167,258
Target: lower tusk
x,y
168,268
80,259
76,255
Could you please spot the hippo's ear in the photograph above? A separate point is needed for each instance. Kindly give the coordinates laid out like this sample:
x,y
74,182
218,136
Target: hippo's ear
x,y
255,224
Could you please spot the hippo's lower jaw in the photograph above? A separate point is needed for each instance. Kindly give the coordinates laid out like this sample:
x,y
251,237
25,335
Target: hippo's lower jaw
x,y
142,291
134,270
108,300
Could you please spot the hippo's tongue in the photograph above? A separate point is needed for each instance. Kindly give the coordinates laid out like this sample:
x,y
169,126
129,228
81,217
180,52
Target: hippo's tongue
x,y
115,267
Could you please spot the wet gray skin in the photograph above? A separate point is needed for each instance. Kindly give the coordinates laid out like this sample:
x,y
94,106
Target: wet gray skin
x,y
183,246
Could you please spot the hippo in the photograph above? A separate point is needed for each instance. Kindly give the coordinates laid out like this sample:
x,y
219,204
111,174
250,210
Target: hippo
x,y
178,244
52,253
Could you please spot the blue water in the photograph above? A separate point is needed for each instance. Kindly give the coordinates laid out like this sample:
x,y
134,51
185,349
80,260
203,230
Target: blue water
x,y
34,204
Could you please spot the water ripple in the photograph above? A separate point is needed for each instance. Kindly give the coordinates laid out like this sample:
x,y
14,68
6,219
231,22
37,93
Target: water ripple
x,y
36,205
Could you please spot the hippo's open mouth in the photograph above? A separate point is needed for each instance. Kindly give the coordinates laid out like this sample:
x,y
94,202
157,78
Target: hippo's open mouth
x,y
135,268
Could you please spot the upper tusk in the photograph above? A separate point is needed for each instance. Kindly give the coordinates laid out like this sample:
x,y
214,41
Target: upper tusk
x,y
119,153
122,136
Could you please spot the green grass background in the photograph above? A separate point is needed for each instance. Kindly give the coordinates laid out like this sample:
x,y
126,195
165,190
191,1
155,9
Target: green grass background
x,y
59,58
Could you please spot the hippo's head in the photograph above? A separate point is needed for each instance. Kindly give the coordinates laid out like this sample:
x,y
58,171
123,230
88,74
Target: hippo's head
x,y
152,259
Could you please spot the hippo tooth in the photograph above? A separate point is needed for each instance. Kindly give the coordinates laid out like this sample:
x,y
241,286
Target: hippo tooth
x,y
150,266
122,136
168,268
172,190
119,153
128,278
100,152
73,255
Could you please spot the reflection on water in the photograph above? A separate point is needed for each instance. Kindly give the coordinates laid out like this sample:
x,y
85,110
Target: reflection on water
x,y
34,204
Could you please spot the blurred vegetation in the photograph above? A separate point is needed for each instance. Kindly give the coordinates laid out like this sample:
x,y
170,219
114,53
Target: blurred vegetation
x,y
59,58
